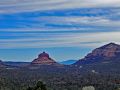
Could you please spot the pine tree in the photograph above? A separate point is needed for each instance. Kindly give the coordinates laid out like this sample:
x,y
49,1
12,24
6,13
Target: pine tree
x,y
39,86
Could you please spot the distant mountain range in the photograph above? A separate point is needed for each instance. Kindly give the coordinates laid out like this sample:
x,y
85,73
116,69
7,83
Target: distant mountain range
x,y
18,64
107,56
68,62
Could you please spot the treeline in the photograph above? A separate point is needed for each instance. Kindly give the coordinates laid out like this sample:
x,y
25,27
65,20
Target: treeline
x,y
55,80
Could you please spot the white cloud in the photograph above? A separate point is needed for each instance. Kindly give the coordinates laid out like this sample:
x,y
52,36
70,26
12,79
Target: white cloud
x,y
9,6
95,21
43,23
78,20
62,40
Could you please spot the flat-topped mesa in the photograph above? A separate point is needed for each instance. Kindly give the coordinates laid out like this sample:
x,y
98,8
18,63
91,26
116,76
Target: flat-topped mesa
x,y
43,59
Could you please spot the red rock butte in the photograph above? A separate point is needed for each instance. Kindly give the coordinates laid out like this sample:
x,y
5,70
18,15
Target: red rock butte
x,y
107,52
43,59
110,50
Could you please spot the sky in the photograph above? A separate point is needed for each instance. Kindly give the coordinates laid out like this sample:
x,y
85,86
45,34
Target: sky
x,y
66,29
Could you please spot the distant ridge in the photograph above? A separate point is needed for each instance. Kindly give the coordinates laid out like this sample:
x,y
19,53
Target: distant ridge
x,y
68,62
107,52
18,64
3,65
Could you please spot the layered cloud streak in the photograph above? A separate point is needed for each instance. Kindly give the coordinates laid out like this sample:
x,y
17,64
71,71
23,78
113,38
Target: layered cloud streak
x,y
60,23
14,6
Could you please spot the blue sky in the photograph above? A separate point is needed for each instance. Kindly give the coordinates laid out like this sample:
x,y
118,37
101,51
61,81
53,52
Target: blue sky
x,y
66,29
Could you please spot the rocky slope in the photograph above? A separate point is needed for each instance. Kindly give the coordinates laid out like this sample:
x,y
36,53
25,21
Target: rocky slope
x,y
105,53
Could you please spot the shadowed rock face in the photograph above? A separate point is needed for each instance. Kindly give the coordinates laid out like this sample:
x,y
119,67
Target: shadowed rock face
x,y
43,59
2,64
110,51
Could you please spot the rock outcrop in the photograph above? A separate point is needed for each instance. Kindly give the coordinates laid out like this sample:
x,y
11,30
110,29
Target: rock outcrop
x,y
110,51
44,59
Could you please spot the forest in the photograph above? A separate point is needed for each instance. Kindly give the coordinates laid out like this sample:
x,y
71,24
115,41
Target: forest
x,y
56,79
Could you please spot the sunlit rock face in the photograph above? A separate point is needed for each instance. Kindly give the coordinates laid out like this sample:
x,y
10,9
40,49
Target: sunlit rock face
x,y
108,52
43,59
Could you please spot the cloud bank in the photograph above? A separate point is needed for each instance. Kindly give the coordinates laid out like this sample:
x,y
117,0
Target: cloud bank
x,y
17,6
60,23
